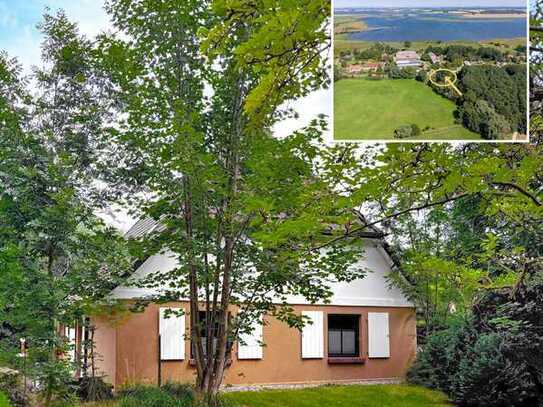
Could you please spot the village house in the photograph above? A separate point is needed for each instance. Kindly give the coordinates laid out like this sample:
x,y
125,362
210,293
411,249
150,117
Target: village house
x,y
367,332
357,69
404,59
434,58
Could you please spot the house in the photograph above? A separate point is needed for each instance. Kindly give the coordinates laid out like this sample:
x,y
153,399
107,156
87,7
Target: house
x,y
404,59
434,58
367,332
357,69
354,69
373,66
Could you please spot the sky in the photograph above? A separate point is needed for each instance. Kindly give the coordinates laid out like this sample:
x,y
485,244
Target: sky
x,y
20,38
429,3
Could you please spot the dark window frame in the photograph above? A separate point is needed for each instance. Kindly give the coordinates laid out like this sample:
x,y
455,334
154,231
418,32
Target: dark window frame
x,y
202,319
355,320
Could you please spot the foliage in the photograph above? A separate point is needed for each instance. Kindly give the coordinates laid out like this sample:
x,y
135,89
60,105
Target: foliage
x,y
338,72
415,130
284,44
58,257
494,96
169,395
402,73
148,396
536,60
180,391
12,388
459,53
94,389
404,131
421,76
493,358
482,118
376,52
230,197
462,219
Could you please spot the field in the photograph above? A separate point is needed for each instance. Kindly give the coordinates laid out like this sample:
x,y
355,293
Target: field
x,y
373,109
347,24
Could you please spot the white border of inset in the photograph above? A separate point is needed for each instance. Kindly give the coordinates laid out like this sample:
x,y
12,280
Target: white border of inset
x,y
331,138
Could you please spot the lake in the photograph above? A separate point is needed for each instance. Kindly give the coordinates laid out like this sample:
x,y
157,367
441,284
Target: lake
x,y
414,26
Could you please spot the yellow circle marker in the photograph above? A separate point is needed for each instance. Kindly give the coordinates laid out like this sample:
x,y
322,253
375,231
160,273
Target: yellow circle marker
x,y
450,80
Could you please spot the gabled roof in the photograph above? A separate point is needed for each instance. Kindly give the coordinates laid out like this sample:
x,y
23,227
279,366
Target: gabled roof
x,y
409,55
141,228
372,290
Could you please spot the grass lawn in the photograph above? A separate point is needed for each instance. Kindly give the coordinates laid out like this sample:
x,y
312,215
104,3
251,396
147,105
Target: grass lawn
x,y
4,402
343,396
333,396
373,109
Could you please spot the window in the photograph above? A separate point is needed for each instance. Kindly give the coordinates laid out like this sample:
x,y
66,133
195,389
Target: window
x,y
343,335
214,330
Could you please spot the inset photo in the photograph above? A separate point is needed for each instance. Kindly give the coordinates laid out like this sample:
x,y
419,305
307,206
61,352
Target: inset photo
x,y
430,70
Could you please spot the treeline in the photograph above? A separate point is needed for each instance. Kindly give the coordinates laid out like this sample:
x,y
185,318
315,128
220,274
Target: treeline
x,y
494,101
375,52
454,53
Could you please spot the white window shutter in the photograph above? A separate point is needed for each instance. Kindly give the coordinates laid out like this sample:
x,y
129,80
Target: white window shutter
x,y
250,345
172,335
313,336
378,335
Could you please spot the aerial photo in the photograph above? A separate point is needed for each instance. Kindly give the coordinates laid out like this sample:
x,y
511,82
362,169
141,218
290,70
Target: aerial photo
x,y
429,71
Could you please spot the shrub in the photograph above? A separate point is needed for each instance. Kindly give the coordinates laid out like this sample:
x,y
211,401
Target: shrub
x,y
415,130
151,396
403,132
11,384
169,395
180,391
421,76
492,358
94,389
439,357
406,131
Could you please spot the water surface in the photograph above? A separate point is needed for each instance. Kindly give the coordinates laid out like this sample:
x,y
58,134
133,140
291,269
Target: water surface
x,y
410,26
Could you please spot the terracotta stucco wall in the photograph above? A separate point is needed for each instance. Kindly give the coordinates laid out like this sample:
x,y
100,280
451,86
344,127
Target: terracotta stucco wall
x,y
136,352
105,348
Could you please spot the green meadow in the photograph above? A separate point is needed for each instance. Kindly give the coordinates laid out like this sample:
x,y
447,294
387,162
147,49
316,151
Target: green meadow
x,y
387,395
372,109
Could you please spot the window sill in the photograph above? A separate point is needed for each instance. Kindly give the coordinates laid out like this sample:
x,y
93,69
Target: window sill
x,y
336,360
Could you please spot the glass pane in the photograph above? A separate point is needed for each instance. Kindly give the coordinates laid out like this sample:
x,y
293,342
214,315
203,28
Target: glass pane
x,y
334,342
349,342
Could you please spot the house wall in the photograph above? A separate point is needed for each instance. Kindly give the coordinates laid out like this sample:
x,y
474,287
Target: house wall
x,y
105,341
135,354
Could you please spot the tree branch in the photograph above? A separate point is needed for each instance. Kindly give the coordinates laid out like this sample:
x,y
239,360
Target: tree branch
x,y
519,189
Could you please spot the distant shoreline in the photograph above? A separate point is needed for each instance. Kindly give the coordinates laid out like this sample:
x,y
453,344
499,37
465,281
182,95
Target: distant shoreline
x,y
505,40
493,15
